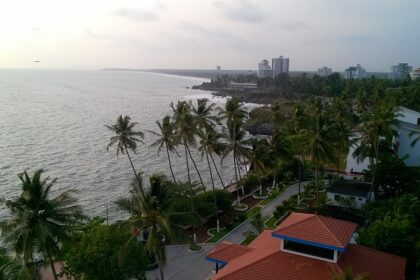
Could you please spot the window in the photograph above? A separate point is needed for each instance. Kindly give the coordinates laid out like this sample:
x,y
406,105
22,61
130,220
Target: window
x,y
309,250
337,197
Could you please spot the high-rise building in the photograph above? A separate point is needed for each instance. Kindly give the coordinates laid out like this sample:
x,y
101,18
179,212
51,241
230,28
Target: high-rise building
x,y
355,72
415,74
400,71
280,65
324,71
218,67
264,69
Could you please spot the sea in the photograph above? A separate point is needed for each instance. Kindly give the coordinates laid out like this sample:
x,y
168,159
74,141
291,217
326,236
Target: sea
x,y
55,120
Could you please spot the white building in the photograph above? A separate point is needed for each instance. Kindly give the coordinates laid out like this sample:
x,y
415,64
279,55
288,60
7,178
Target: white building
x,y
280,65
264,69
346,193
408,122
324,71
233,85
400,71
355,72
415,74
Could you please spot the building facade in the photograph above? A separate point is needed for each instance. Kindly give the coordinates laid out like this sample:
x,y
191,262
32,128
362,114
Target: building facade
x,y
355,72
324,71
264,69
415,74
400,71
280,66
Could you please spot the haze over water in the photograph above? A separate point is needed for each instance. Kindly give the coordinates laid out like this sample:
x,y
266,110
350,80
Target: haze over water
x,y
55,120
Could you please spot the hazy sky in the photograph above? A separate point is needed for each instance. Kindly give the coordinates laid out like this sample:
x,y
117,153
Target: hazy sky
x,y
235,34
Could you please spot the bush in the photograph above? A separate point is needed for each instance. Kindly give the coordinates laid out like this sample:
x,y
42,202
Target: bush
x,y
250,182
204,204
288,205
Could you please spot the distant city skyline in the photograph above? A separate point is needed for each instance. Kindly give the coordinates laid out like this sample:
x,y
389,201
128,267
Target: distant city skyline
x,y
190,34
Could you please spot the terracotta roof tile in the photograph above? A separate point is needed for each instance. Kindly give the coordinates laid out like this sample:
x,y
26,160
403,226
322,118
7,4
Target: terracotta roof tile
x,y
317,229
379,265
226,251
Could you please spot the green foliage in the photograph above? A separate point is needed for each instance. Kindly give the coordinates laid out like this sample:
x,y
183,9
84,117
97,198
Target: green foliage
x,y
288,205
204,202
257,221
250,182
106,252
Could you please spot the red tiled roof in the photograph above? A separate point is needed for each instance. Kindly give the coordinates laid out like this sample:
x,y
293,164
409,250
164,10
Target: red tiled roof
x,y
265,261
379,265
226,251
318,229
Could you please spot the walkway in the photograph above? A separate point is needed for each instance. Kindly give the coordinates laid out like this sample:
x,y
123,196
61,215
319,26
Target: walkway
x,y
184,265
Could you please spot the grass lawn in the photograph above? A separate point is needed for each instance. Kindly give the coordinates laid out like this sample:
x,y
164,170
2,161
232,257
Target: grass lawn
x,y
248,240
253,211
270,222
267,200
217,235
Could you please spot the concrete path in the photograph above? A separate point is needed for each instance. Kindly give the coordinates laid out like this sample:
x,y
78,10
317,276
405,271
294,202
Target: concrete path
x,y
185,265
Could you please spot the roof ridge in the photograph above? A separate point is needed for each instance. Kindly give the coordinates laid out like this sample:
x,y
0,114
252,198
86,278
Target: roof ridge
x,y
252,263
310,216
329,230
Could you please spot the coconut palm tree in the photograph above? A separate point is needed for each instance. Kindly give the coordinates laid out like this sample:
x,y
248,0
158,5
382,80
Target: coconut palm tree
x,y
154,216
316,139
378,126
259,159
12,268
166,139
126,138
185,131
38,223
280,150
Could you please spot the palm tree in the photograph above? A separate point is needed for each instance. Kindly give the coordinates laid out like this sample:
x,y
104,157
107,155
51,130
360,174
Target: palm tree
x,y
126,138
234,135
166,138
185,131
280,148
12,268
316,139
259,159
378,125
258,222
153,215
235,115
38,223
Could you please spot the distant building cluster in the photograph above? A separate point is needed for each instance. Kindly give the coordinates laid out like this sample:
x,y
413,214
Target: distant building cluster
x,y
278,66
400,71
355,72
324,71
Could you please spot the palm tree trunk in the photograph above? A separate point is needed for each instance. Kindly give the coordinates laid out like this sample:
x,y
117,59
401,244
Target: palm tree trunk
x,y
236,177
161,272
196,169
240,177
140,189
214,194
54,272
186,160
246,169
170,163
217,171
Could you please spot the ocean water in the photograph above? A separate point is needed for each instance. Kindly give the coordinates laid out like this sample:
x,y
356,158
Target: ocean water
x,y
55,120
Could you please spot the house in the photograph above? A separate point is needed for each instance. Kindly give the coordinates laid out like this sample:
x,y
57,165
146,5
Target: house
x,y
349,193
303,246
408,122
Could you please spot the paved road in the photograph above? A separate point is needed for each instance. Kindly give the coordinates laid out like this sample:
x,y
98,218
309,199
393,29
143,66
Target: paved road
x,y
184,265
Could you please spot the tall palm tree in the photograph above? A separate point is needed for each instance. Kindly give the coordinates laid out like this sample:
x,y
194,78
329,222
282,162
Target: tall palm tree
x,y
185,131
38,223
378,126
126,138
153,215
259,159
280,150
316,139
166,138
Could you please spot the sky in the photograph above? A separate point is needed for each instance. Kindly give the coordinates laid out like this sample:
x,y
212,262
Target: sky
x,y
200,34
